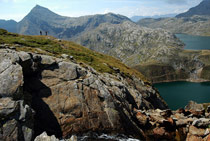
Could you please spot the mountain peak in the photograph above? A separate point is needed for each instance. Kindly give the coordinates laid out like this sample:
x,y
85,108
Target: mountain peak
x,y
202,9
40,8
42,12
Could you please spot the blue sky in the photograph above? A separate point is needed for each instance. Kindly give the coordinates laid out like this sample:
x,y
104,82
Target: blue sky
x,y
17,9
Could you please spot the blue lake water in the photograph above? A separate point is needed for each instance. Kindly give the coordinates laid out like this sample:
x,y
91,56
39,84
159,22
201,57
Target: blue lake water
x,y
195,42
178,94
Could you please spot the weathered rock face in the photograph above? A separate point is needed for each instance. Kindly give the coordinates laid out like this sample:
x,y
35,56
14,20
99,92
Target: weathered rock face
x,y
16,117
45,137
68,98
130,43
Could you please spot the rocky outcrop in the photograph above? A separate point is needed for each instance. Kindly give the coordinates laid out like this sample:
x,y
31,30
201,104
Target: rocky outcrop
x,y
45,137
16,116
63,98
67,98
184,124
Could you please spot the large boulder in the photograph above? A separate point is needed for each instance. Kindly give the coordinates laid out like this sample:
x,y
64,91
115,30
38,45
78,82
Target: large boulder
x,y
16,117
70,99
11,75
67,98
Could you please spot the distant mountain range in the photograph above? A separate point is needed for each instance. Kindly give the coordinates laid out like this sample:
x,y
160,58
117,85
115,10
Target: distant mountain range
x,y
10,25
196,21
110,33
202,9
43,19
137,18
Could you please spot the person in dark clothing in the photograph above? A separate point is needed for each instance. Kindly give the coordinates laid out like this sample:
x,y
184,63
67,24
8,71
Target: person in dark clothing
x,y
40,32
46,33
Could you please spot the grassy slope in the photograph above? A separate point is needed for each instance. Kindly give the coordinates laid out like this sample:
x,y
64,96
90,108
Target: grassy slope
x,y
51,46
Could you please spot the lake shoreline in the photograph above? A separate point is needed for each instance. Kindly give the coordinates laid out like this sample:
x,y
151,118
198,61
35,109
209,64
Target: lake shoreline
x,y
183,80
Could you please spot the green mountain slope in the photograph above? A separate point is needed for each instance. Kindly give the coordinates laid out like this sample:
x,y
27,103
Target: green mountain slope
x,y
54,47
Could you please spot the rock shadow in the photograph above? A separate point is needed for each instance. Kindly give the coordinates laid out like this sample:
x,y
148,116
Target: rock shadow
x,y
35,90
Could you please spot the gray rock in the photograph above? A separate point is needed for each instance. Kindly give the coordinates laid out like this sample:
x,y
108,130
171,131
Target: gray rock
x,y
24,56
68,71
10,130
11,79
28,133
202,122
194,106
26,112
7,54
8,107
65,56
73,138
45,137
208,109
47,60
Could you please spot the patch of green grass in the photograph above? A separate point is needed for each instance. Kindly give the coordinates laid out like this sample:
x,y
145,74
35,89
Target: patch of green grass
x,y
50,46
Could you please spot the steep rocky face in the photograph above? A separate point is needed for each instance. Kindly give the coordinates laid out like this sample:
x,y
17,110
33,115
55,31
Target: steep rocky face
x,y
68,98
42,19
16,115
130,43
202,9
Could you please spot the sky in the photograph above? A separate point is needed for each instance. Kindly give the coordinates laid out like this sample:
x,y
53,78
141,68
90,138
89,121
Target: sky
x,y
18,9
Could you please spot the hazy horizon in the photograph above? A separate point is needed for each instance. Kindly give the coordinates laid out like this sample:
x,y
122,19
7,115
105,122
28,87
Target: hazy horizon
x,y
18,9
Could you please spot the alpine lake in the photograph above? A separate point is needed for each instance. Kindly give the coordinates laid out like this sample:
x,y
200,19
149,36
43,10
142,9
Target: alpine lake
x,y
178,94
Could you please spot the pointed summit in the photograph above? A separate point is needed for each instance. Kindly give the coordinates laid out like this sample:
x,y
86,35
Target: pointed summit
x,y
43,12
202,9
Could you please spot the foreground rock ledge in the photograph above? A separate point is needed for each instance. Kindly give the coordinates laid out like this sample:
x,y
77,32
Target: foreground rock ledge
x,y
42,93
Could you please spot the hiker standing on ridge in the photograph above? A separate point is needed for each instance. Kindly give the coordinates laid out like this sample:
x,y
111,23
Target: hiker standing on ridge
x,y
46,33
40,32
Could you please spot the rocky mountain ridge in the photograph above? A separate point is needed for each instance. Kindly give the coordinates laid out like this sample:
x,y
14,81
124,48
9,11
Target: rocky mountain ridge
x,y
10,25
195,25
137,18
129,42
42,19
202,9
196,21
